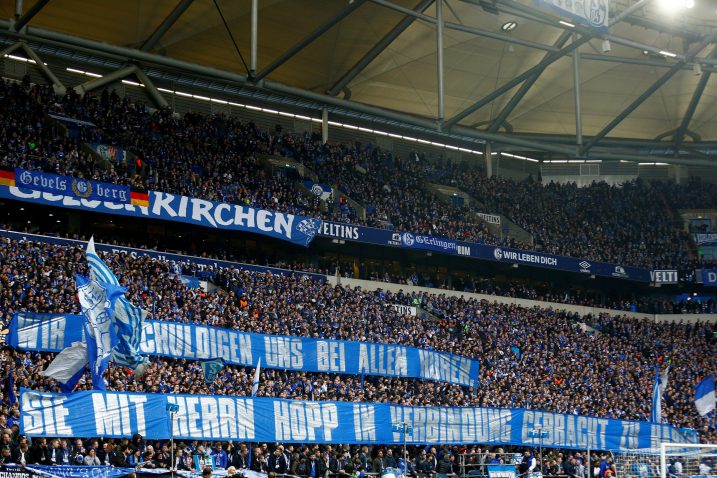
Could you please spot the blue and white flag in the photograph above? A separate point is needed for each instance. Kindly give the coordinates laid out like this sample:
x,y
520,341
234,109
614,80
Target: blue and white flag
x,y
211,369
255,382
68,366
664,377
97,301
656,415
323,191
128,319
705,399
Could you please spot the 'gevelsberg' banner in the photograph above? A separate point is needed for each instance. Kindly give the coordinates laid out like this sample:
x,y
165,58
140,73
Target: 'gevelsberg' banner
x,y
204,417
195,342
70,186
170,207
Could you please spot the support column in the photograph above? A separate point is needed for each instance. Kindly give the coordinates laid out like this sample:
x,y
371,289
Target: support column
x,y
254,35
578,111
57,85
488,157
324,126
439,60
152,90
18,9
105,80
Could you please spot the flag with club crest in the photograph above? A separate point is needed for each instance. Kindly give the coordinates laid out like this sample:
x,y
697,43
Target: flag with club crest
x,y
211,368
97,301
128,319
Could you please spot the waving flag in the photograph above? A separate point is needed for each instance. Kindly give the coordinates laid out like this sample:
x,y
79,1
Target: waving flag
x,y
128,319
255,382
705,399
97,300
68,366
656,415
211,369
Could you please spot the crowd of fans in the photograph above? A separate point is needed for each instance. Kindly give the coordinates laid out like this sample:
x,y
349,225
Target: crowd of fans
x,y
216,157
533,358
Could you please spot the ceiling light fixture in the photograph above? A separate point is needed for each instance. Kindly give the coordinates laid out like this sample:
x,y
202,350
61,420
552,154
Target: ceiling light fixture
x,y
672,6
567,24
509,26
668,53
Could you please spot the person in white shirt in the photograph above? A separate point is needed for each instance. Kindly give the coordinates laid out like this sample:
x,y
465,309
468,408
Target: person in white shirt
x,y
92,459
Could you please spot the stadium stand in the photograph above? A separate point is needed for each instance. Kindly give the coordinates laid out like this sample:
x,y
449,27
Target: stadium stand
x,y
533,358
215,157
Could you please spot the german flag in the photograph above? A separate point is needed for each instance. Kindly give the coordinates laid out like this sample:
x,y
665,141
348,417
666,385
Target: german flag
x,y
139,199
7,177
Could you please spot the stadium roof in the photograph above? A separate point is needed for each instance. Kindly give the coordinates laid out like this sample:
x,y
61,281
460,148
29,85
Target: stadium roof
x,y
384,53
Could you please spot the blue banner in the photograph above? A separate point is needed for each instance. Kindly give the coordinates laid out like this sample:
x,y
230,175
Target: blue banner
x,y
199,342
408,240
202,263
205,417
72,187
66,471
200,212
709,277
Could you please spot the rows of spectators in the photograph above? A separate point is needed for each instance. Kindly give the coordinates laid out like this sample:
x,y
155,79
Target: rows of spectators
x,y
216,157
317,461
530,358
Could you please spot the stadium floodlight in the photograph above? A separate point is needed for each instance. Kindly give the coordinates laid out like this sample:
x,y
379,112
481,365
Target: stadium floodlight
x,y
672,6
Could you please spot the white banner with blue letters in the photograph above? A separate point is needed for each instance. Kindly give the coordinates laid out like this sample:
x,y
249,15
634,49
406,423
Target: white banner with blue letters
x,y
52,333
205,417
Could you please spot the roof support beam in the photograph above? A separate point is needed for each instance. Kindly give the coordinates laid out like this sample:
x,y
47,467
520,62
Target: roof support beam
x,y
692,107
310,38
439,61
460,134
166,24
96,83
527,85
57,85
655,63
548,60
151,89
378,48
30,14
645,95
464,28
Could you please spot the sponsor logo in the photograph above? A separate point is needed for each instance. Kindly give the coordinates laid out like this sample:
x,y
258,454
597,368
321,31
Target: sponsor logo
x,y
498,253
340,231
463,250
619,272
395,239
408,239
664,277
584,266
